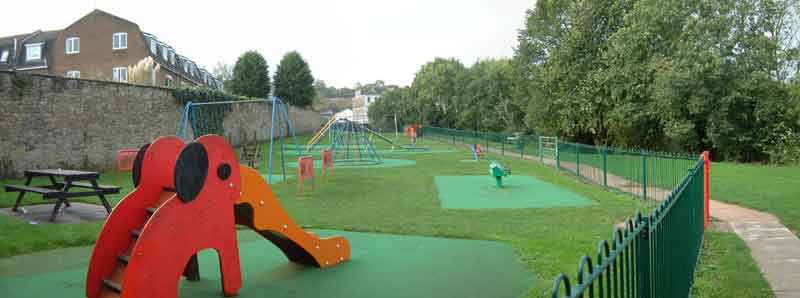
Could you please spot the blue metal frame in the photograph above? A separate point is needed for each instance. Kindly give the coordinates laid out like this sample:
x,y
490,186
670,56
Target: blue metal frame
x,y
279,110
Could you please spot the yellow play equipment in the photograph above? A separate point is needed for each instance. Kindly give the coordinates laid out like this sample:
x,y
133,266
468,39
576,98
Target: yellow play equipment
x,y
318,136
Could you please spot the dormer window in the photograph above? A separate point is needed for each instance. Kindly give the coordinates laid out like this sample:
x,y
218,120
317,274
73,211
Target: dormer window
x,y
119,41
33,51
164,53
153,47
172,57
73,45
4,56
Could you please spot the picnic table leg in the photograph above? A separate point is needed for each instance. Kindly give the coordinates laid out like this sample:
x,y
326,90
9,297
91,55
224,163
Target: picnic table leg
x,y
102,197
65,188
21,194
59,200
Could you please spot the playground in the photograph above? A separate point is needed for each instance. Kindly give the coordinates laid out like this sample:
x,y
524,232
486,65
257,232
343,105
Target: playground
x,y
403,234
416,221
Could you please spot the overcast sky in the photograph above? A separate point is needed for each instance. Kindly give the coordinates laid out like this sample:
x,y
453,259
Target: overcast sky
x,y
344,41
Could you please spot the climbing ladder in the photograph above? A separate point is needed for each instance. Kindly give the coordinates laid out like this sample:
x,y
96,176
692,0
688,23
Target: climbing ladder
x,y
548,149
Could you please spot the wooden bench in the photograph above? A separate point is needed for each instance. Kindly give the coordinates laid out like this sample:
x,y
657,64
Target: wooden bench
x,y
251,155
105,189
46,192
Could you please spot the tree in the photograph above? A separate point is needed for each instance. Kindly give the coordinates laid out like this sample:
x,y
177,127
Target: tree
x,y
250,76
223,71
293,80
435,92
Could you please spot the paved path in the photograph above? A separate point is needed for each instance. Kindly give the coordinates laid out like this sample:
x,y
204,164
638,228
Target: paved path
x,y
773,246
40,214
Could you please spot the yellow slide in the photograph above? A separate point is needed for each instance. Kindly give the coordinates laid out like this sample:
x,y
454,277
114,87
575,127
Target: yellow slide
x,y
318,136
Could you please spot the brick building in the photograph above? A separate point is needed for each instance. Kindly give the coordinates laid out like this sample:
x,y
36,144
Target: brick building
x,y
105,47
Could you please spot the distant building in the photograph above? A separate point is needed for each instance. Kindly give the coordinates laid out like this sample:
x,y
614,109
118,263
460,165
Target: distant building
x,y
361,103
101,46
345,114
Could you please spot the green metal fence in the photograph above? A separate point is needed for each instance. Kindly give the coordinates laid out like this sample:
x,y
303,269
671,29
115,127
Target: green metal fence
x,y
653,255
648,174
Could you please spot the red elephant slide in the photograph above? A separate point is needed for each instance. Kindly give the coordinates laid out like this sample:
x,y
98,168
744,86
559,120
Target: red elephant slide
x,y
188,198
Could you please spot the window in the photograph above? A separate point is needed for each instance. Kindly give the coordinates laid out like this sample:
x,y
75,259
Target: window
x,y
33,51
4,56
169,82
164,53
185,67
172,57
153,46
120,74
73,45
119,41
73,74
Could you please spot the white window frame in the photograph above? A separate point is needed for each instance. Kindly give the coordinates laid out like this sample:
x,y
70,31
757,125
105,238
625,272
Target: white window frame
x,y
172,57
73,45
117,74
73,74
153,46
169,82
164,52
4,56
28,48
118,44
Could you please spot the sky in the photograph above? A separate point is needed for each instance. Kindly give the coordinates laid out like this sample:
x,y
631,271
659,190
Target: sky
x,y
344,41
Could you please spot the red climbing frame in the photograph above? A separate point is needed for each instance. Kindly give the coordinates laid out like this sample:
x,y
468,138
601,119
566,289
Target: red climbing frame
x,y
305,171
327,161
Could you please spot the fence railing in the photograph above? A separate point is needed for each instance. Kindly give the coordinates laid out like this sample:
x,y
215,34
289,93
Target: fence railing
x,y
653,255
648,174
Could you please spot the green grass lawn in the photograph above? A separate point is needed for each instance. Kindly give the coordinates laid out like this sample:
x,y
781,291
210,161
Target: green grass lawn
x,y
768,188
727,270
403,200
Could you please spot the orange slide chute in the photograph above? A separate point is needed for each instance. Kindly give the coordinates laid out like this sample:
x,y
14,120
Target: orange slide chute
x,y
259,209
188,198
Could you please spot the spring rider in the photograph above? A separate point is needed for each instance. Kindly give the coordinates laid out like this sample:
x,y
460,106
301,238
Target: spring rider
x,y
498,171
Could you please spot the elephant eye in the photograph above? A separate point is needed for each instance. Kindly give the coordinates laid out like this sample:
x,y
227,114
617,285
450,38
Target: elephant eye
x,y
191,170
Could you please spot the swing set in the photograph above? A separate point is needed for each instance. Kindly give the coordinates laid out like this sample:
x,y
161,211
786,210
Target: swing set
x,y
202,118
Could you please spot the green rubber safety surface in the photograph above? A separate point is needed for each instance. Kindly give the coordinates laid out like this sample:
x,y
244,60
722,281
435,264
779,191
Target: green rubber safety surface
x,y
382,152
385,163
382,265
480,192
276,178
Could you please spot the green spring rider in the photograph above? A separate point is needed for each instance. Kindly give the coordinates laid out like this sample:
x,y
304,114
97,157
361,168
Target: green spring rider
x,y
498,171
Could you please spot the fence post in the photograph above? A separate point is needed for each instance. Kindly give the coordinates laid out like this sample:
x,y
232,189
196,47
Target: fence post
x,y
521,147
605,166
503,148
643,260
541,155
706,186
644,175
558,155
578,159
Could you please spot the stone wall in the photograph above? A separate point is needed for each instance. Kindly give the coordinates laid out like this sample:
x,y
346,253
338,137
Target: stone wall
x,y
54,122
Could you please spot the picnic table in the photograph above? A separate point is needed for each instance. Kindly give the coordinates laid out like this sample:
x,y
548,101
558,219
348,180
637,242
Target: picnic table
x,y
60,190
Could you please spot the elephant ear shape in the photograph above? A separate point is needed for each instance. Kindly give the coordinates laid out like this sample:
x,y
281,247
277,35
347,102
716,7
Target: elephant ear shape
x,y
136,171
191,171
